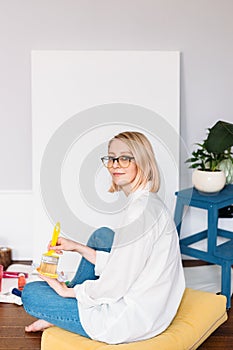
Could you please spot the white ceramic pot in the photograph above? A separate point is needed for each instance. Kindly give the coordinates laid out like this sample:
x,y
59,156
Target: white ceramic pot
x,y
208,181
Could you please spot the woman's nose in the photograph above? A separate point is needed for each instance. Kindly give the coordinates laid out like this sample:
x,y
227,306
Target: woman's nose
x,y
115,164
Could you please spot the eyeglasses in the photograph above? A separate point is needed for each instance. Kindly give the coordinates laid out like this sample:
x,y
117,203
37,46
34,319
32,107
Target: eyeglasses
x,y
123,161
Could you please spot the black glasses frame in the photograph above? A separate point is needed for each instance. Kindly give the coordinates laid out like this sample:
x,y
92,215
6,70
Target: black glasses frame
x,y
118,159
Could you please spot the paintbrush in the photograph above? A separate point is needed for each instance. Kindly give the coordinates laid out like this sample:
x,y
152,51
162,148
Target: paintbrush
x,y
49,261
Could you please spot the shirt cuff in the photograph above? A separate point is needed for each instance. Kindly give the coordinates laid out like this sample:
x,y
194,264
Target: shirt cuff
x,y
101,260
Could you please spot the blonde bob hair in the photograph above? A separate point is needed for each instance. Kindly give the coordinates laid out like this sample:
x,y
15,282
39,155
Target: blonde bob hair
x,y
147,170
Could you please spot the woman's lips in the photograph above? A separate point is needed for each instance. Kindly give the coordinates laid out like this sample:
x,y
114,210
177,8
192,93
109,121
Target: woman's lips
x,y
117,174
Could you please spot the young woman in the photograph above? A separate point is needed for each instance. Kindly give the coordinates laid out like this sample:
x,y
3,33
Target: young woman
x,y
130,282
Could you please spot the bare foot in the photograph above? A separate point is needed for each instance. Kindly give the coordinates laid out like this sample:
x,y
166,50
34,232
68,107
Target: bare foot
x,y
38,326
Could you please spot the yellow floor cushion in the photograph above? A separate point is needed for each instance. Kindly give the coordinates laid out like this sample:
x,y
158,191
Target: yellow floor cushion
x,y
199,314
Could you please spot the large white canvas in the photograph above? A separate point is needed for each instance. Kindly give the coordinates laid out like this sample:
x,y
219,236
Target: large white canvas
x,y
80,99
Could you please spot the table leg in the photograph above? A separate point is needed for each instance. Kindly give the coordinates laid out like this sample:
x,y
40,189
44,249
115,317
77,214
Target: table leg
x,y
226,282
178,215
212,229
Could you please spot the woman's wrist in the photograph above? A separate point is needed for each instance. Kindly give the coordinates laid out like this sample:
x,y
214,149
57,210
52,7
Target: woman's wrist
x,y
79,248
68,292
85,251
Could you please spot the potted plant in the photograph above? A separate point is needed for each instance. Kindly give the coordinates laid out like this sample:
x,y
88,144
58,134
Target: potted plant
x,y
213,159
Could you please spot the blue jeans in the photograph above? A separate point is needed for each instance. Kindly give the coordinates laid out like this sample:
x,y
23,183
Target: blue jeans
x,y
41,301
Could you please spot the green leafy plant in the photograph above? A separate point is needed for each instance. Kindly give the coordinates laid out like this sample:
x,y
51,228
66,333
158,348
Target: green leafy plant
x,y
215,149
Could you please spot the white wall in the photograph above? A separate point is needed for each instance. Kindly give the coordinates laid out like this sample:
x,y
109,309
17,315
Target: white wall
x,y
201,30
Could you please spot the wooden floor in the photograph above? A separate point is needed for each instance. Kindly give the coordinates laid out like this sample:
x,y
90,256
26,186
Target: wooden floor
x,y
13,319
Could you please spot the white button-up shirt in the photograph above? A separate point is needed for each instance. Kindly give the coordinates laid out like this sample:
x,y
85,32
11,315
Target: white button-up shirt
x,y
141,281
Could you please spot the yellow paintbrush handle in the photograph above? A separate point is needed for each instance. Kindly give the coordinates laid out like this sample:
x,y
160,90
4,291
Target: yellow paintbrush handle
x,y
56,233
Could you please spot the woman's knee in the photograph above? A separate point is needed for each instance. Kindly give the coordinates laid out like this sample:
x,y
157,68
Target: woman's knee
x,y
32,292
101,238
31,288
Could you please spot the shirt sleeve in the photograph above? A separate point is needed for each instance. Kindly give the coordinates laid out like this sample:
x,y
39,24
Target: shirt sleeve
x,y
101,260
125,263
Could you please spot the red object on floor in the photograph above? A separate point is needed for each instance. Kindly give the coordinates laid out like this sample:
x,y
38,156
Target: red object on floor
x,y
21,281
12,274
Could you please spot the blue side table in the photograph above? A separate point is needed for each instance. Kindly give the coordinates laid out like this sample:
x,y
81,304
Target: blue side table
x,y
222,254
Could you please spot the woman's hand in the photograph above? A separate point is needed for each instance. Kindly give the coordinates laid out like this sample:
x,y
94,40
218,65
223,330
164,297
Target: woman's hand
x,y
72,246
59,287
64,244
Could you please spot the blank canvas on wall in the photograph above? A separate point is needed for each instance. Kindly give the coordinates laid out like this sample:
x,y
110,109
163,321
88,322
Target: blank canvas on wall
x,y
81,99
